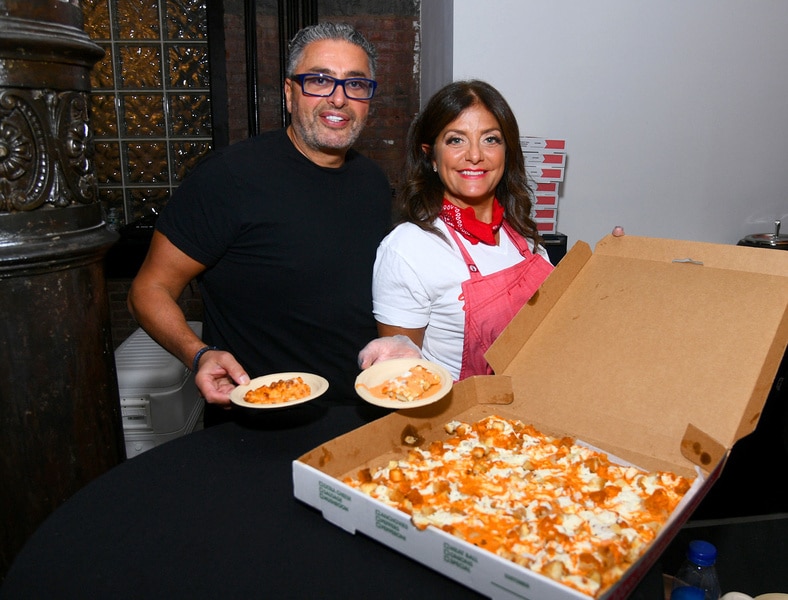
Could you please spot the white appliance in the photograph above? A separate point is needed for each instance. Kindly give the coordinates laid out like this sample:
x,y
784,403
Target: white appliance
x,y
158,398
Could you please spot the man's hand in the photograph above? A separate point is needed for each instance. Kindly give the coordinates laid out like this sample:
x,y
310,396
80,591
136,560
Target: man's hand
x,y
218,374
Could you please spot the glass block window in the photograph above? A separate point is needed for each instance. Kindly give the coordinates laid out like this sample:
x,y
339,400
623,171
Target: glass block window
x,y
150,100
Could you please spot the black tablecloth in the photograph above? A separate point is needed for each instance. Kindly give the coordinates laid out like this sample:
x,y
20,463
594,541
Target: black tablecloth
x,y
212,515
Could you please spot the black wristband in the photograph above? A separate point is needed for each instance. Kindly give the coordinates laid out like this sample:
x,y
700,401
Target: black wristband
x,y
198,356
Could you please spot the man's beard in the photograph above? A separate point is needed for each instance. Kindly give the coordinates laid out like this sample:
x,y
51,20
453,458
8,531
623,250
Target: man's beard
x,y
321,138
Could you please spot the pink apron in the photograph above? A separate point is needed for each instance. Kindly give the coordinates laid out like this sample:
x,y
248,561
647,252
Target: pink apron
x,y
491,301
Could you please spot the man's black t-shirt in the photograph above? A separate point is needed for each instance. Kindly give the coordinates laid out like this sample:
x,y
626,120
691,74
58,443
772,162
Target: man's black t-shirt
x,y
289,248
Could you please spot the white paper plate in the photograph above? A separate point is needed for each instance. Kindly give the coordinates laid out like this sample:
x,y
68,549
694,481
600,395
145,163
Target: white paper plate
x,y
317,385
380,372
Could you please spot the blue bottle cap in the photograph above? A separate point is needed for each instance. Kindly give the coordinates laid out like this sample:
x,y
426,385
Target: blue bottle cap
x,y
702,553
687,592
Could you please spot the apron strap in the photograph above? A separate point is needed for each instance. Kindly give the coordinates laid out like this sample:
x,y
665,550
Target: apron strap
x,y
519,242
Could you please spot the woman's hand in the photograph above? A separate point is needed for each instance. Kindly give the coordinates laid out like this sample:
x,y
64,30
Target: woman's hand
x,y
386,348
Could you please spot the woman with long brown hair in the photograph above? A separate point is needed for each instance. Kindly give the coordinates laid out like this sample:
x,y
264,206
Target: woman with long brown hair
x,y
466,254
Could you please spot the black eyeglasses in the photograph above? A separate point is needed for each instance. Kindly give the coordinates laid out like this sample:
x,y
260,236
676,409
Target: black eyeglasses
x,y
317,84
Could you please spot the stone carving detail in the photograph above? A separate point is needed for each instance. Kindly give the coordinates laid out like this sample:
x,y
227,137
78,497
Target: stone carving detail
x,y
46,146
75,147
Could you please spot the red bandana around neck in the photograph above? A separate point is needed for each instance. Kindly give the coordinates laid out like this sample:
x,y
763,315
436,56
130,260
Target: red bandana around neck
x,y
472,229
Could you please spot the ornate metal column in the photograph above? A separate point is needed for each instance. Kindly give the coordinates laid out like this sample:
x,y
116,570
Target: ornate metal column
x,y
60,423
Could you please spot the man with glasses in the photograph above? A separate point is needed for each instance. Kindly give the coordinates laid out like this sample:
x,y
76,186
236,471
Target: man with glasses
x,y
280,231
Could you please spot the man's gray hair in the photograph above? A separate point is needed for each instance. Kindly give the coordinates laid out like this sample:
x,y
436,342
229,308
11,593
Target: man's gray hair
x,y
328,31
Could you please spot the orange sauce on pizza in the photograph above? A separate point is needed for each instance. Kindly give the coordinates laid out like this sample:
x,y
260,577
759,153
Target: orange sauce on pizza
x,y
548,504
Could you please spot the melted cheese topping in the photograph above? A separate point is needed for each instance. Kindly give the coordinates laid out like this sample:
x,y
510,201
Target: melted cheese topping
x,y
548,504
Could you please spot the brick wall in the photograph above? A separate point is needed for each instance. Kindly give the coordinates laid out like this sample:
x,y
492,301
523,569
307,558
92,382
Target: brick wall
x,y
397,98
123,325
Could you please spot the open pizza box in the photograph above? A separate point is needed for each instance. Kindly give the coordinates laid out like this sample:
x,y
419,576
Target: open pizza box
x,y
659,352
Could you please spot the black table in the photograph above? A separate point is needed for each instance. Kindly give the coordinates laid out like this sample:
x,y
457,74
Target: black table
x,y
212,515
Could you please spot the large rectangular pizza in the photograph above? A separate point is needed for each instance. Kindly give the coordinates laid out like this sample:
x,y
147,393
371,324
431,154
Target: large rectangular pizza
x,y
552,505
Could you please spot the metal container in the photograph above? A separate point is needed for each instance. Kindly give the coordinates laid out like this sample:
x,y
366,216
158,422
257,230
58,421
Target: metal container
x,y
774,240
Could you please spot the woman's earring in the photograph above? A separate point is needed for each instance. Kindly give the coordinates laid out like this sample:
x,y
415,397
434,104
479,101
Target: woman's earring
x,y
434,168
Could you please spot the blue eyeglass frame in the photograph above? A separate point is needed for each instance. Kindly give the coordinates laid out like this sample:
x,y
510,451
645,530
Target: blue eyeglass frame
x,y
301,76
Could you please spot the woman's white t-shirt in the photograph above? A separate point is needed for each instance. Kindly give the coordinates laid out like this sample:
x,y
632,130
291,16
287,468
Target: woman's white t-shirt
x,y
417,282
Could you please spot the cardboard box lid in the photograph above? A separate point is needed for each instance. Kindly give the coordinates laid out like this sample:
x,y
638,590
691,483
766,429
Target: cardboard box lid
x,y
649,345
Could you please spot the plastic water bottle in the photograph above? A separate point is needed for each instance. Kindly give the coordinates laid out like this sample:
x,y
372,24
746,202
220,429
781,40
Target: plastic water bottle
x,y
688,592
696,579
